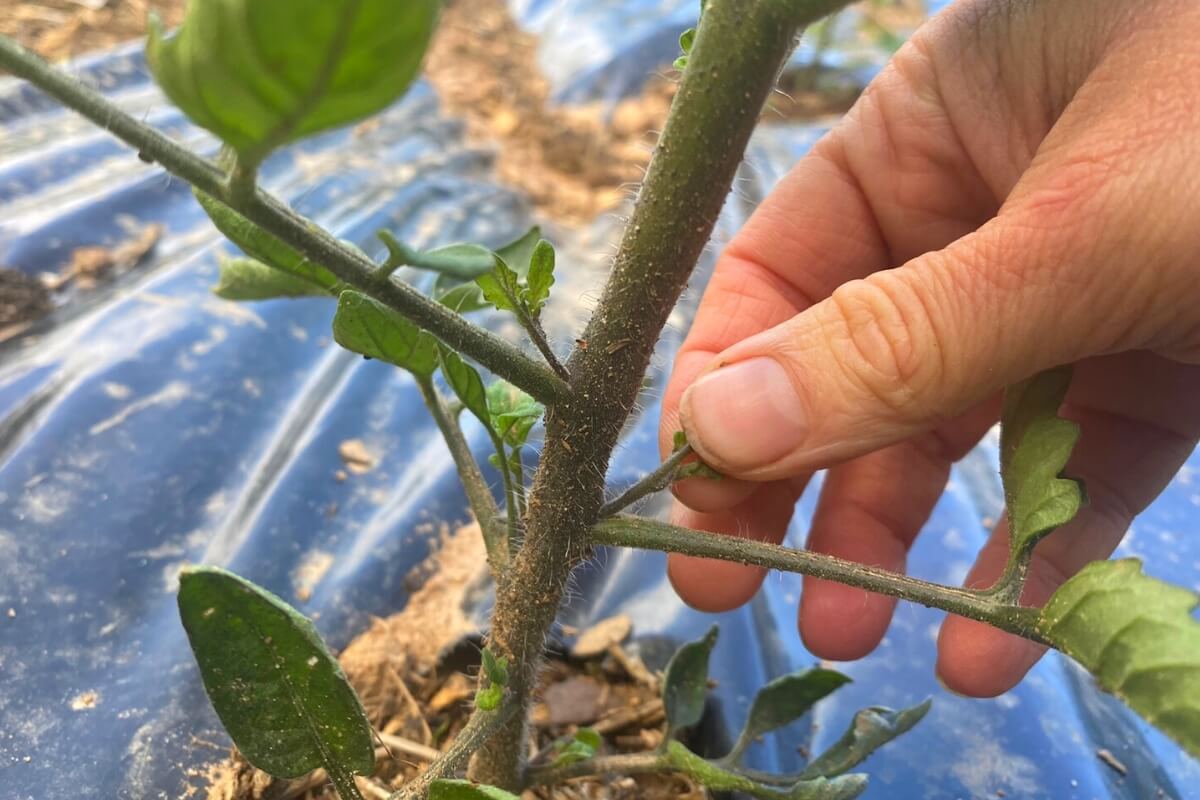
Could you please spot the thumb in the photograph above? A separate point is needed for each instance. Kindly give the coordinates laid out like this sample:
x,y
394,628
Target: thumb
x,y
901,351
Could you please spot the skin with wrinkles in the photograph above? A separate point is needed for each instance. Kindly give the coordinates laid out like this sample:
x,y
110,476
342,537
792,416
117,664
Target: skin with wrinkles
x,y
1019,189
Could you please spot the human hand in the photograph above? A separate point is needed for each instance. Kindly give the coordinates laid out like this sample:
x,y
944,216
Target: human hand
x,y
1019,189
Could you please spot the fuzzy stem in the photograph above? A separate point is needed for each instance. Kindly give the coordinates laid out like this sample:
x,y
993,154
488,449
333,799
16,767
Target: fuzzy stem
x,y
646,534
289,227
479,496
673,758
739,49
479,729
656,481
511,511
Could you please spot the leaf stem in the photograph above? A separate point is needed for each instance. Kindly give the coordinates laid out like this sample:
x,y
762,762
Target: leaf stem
x,y
305,236
656,481
479,496
647,534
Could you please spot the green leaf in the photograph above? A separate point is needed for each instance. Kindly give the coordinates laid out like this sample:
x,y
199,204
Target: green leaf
x,y
263,247
461,297
366,326
247,279
1035,444
685,683
501,287
697,469
518,254
446,789
459,261
785,700
540,278
871,729
686,40
513,412
580,747
466,384
1138,637
261,73
496,669
278,691
488,698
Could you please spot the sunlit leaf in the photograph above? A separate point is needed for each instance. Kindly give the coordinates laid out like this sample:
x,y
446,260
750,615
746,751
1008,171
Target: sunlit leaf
x,y
467,385
685,683
513,412
1035,444
278,691
518,253
366,326
466,790
501,287
261,73
785,700
248,279
1138,637
871,729
263,247
540,278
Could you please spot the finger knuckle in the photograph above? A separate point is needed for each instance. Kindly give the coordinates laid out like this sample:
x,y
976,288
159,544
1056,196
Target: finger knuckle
x,y
881,337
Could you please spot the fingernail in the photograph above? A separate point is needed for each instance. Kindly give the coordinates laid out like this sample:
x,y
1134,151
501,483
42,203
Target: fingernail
x,y
744,416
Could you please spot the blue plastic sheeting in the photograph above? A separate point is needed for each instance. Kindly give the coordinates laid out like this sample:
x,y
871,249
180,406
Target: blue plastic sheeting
x,y
148,424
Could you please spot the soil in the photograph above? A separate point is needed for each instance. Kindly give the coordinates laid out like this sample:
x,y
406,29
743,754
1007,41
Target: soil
x,y
415,674
63,29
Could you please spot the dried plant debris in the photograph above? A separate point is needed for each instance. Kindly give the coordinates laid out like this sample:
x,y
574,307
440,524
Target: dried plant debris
x,y
23,300
63,29
88,265
415,673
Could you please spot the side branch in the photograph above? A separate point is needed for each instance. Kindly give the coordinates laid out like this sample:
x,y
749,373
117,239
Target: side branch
x,y
646,534
274,216
656,481
479,497
479,728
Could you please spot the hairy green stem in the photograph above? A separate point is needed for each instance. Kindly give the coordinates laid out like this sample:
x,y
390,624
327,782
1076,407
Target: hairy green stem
x,y
656,481
479,496
739,49
674,758
647,534
272,215
511,511
481,727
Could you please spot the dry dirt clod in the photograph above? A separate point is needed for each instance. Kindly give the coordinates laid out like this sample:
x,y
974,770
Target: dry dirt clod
x,y
90,264
23,300
356,456
594,641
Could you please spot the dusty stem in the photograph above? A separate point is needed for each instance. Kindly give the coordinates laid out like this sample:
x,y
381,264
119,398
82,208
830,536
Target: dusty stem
x,y
738,51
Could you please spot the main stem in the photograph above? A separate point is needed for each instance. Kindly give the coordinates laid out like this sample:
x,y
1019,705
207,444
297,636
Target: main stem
x,y
739,49
312,241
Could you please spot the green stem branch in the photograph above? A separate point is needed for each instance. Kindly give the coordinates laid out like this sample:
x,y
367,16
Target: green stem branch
x,y
479,728
479,496
646,534
303,235
656,481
